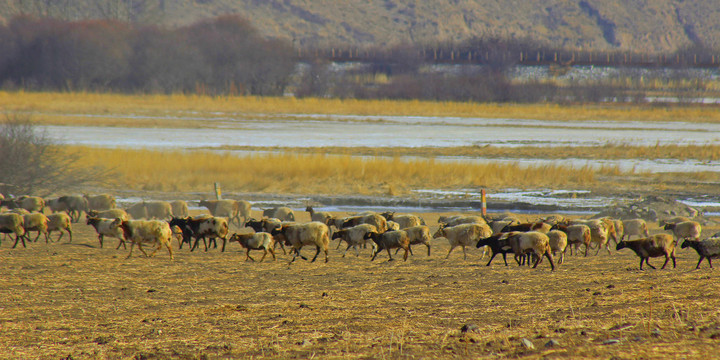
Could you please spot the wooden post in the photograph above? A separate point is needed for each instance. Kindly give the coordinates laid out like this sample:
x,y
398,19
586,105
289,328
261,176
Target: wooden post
x,y
218,191
483,208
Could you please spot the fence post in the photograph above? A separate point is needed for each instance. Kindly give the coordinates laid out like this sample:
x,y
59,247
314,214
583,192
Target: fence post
x,y
218,191
483,208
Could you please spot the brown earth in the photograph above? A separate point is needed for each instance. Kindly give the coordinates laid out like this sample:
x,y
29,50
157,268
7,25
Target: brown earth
x,y
76,300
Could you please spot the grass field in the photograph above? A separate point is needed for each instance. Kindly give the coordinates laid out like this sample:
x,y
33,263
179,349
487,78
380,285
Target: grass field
x,y
79,301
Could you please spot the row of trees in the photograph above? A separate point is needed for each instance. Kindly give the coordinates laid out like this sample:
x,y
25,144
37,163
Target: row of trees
x,y
221,55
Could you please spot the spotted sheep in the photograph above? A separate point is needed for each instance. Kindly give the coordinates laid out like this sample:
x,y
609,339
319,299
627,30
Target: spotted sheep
x,y
654,246
105,227
156,233
201,228
255,241
267,225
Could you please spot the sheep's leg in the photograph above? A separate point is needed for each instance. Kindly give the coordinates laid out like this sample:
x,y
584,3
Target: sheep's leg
x,y
647,261
340,241
587,247
389,254
272,252
37,237
428,246
264,253
407,250
326,255
281,246
667,258
159,246
550,259
247,255
348,248
701,259
225,242
22,238
139,244
672,255
504,254
316,254
491,258
374,254
169,247
121,242
464,252
132,244
448,255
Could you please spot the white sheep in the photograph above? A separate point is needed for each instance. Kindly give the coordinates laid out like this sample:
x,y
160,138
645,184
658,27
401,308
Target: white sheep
x,y
153,232
180,208
36,221
599,234
298,235
137,211
11,223
463,235
558,243
161,210
531,242
577,235
354,236
419,235
686,230
707,249
654,246
255,241
634,227
105,227
60,222
284,213
100,202
29,203
111,214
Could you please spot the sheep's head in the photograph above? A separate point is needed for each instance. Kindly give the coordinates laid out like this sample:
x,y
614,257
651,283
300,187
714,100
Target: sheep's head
x,y
621,245
689,243
669,226
440,231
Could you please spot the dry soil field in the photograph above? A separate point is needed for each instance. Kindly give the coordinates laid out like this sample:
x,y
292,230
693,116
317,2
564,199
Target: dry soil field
x,y
76,300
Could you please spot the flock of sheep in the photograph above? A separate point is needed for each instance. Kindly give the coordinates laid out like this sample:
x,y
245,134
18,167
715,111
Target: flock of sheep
x,y
157,223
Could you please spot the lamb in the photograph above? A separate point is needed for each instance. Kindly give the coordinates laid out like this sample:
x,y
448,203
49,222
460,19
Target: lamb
x,y
418,235
463,235
74,205
637,227
11,223
255,241
299,235
532,242
390,240
686,230
707,249
154,232
105,227
179,208
653,246
354,236
60,222
36,221
576,235
321,216
100,202
558,243
108,214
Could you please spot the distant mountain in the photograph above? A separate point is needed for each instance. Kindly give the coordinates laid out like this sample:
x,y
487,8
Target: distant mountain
x,y
639,25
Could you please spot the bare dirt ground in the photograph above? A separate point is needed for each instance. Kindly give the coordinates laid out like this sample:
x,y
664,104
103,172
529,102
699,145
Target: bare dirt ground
x,y
76,300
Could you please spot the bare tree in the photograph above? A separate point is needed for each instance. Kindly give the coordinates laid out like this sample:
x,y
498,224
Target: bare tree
x,y
31,163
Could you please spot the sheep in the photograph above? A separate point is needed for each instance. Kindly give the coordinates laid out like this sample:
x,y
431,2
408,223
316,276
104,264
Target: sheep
x,y
60,222
554,219
390,240
179,208
460,219
267,225
619,230
405,220
100,202
104,227
391,225
255,241
672,220
558,243
373,219
29,203
637,227
74,205
137,211
707,249
524,227
55,205
201,227
11,223
154,232
284,213
599,234
161,210
532,242
686,230
576,235
653,246
321,216
463,235
354,236
108,214
610,229
230,209
299,235
418,235
498,225
36,221
498,244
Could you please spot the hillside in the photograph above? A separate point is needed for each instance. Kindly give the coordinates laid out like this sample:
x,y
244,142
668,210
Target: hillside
x,y
641,25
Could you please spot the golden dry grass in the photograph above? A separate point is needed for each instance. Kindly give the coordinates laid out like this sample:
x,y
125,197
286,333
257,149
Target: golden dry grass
x,y
294,173
76,300
166,110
